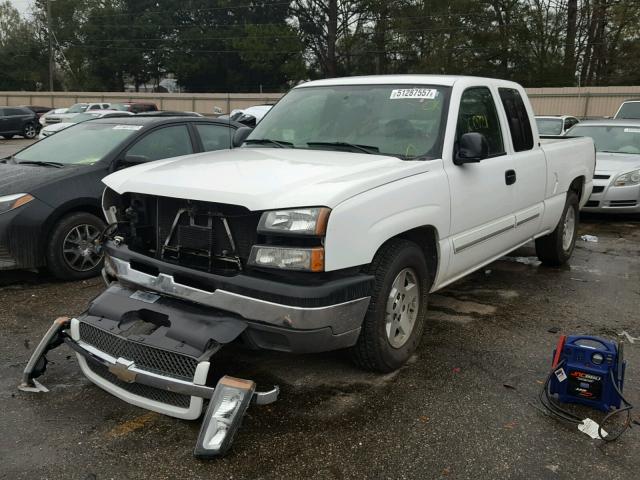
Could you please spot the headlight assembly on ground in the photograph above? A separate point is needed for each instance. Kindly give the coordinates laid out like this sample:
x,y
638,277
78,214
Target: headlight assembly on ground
x,y
626,179
9,202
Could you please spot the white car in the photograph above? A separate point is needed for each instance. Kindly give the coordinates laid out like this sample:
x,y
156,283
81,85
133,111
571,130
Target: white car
x,y
555,125
55,111
616,184
78,118
250,116
74,110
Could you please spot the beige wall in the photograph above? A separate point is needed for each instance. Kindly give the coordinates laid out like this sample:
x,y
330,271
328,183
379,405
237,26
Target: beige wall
x,y
581,102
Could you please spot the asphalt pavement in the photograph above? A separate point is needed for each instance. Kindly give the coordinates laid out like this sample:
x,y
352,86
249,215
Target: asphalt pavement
x,y
463,408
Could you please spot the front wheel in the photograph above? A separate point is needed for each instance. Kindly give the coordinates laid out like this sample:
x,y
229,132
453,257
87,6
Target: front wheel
x,y
29,131
71,253
394,322
556,248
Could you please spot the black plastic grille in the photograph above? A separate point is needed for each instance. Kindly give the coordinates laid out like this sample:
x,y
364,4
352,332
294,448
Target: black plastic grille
x,y
592,203
145,357
162,396
598,189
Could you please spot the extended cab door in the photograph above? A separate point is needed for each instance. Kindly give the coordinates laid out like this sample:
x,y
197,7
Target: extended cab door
x,y
482,220
529,165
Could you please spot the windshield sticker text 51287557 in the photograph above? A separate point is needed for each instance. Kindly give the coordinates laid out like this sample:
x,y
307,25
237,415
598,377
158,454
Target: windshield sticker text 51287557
x,y
428,93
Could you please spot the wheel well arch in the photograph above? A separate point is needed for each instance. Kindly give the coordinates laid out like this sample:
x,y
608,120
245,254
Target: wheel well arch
x,y
577,186
426,237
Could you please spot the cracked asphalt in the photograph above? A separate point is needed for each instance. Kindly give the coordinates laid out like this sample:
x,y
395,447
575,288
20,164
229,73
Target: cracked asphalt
x,y
463,408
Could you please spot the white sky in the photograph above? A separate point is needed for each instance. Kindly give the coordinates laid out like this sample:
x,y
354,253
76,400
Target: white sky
x,y
23,6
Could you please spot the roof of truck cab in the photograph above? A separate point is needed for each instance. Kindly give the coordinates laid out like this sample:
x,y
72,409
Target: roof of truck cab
x,y
444,80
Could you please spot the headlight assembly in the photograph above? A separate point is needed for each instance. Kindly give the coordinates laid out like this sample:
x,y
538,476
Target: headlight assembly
x,y
288,258
298,221
9,202
626,179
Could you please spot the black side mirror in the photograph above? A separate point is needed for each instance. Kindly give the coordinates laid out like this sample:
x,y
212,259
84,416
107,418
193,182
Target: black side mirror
x,y
241,135
130,160
472,148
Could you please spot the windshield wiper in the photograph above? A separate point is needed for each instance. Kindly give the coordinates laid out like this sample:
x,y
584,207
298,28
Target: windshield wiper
x,y
359,148
45,164
279,143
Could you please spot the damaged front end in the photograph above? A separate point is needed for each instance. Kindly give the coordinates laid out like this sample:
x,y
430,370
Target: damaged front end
x,y
154,352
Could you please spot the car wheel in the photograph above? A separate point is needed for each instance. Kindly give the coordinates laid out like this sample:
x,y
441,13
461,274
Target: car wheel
x,y
71,254
395,319
29,131
556,248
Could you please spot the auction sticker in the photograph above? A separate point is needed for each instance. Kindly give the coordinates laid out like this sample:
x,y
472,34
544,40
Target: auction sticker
x,y
146,297
428,93
127,127
632,130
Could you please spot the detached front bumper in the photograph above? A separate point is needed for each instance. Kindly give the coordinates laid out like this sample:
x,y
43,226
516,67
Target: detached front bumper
x,y
607,198
280,316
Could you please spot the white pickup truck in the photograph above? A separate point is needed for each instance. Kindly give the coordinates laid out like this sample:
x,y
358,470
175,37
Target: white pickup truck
x,y
350,202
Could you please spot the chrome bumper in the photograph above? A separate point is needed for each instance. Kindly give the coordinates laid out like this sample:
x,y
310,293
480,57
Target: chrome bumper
x,y
341,317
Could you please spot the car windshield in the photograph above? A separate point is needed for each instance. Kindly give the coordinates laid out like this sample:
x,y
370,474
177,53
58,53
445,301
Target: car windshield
x,y
629,110
80,144
400,120
549,126
78,108
610,138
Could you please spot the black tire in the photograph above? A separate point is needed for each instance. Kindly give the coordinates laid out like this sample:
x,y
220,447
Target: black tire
x,y
30,131
66,234
374,351
551,249
8,137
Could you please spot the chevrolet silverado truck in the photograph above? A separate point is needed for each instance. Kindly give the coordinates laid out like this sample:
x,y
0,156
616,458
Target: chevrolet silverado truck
x,y
350,202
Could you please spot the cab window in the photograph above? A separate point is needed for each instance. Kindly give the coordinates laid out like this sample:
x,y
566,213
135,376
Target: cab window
x,y
478,114
166,142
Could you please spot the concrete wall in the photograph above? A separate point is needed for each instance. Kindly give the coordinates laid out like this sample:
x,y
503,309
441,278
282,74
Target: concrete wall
x,y
581,102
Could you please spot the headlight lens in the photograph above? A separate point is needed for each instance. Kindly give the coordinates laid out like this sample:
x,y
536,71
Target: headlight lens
x,y
288,258
9,202
299,221
629,178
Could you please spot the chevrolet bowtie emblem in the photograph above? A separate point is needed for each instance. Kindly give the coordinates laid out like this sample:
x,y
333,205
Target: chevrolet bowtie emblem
x,y
121,370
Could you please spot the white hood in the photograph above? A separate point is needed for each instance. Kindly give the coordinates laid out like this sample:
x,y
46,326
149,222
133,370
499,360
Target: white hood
x,y
56,127
616,162
265,178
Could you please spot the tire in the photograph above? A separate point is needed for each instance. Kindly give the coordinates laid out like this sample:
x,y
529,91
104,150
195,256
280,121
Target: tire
x,y
69,252
555,249
30,131
380,346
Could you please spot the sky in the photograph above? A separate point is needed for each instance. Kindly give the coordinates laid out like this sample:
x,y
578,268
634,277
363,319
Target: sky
x,y
23,6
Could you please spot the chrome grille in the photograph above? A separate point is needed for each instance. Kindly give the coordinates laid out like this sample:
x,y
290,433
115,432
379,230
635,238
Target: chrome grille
x,y
155,394
148,358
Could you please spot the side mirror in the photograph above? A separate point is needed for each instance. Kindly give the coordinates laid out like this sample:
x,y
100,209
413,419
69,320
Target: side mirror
x,y
472,148
130,160
241,135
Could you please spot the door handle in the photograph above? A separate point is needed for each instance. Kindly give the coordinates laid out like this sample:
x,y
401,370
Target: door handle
x,y
510,177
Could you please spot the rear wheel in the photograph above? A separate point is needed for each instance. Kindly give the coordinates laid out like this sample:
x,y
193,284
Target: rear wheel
x,y
394,322
29,131
556,248
71,253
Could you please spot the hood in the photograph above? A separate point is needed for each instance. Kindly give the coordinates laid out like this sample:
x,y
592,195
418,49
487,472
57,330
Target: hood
x,y
616,162
57,126
26,178
265,178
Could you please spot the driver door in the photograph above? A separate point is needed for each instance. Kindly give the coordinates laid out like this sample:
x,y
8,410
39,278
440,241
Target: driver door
x,y
482,219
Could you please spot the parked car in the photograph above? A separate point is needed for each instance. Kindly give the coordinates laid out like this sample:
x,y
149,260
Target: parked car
x,y
55,111
170,113
616,184
39,111
50,191
135,107
249,116
79,118
629,110
18,121
555,125
74,110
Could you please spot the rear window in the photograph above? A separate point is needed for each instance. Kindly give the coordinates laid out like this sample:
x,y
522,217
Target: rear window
x,y
629,110
518,119
549,126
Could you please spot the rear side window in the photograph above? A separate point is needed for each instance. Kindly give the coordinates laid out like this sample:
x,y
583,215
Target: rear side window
x,y
10,112
518,119
214,137
165,142
629,110
478,114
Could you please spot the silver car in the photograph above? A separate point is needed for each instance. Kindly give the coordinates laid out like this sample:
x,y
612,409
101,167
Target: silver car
x,y
616,183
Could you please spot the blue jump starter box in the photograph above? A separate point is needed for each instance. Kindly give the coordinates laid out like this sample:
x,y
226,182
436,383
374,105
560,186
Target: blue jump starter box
x,y
583,371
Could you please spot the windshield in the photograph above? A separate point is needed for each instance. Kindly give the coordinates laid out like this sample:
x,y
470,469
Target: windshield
x,y
549,126
78,108
403,121
607,138
80,144
629,110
